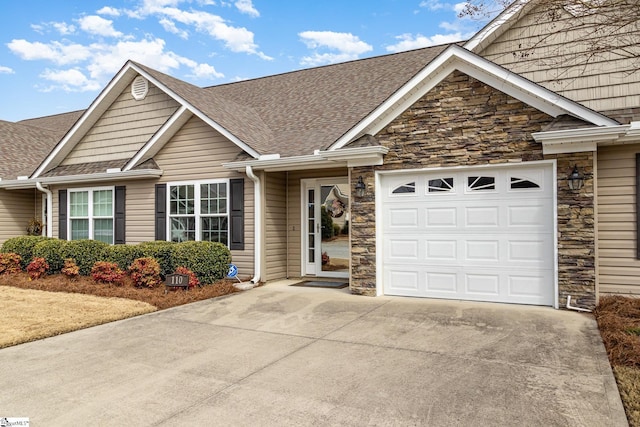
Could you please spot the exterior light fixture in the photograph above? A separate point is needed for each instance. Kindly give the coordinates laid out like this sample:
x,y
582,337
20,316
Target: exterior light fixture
x,y
575,179
360,187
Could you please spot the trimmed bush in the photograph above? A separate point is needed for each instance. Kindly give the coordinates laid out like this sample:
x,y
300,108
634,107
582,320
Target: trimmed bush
x,y
70,268
54,251
107,272
124,255
86,253
23,246
37,268
145,273
193,279
10,263
162,252
208,260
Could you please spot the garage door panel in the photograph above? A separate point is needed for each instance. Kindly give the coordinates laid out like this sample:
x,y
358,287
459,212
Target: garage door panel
x,y
492,244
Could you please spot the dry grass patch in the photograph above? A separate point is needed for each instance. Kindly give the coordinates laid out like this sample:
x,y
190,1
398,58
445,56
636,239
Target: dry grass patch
x,y
29,315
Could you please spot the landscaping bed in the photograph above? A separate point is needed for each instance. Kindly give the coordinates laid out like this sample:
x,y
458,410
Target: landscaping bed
x,y
619,323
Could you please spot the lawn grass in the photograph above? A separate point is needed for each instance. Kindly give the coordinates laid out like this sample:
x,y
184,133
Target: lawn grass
x,y
619,320
53,305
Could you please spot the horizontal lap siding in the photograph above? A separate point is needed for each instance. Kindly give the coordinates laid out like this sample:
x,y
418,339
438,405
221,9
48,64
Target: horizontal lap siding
x,y
197,152
619,270
275,206
554,54
17,207
124,128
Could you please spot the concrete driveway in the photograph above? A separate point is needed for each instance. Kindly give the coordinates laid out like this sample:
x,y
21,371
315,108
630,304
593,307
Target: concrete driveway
x,y
280,355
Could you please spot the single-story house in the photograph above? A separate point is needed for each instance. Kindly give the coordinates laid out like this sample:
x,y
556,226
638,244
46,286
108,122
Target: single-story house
x,y
461,178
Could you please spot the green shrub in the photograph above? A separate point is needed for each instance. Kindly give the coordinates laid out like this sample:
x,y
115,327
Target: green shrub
x,y
107,272
10,263
86,253
345,228
124,255
145,273
54,251
327,223
208,260
162,252
37,268
23,246
336,229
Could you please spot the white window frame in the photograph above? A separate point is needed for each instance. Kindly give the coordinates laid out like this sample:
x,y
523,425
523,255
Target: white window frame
x,y
197,201
90,217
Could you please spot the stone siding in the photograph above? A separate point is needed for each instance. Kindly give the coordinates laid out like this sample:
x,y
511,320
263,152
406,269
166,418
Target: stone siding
x,y
463,122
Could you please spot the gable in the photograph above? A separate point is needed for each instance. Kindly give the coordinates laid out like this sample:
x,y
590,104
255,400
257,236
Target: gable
x,y
565,54
463,121
125,126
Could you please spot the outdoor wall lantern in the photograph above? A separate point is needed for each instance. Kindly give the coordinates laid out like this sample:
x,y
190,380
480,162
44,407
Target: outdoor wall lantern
x,y
360,187
575,179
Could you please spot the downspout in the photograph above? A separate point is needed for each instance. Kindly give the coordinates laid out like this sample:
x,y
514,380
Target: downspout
x,y
257,217
49,208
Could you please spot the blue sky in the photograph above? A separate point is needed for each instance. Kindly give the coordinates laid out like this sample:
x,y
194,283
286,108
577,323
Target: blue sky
x,y
56,56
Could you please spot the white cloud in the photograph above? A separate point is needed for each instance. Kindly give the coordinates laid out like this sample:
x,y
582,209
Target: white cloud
x,y
246,6
409,41
6,70
348,47
71,80
110,11
205,71
171,27
61,27
97,25
434,5
56,52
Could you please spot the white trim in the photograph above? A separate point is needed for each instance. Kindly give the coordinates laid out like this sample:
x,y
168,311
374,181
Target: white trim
x,y
457,58
556,270
257,225
587,139
496,27
161,137
90,215
20,184
347,157
197,198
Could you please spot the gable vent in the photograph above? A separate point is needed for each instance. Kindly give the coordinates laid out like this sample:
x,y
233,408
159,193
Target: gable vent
x,y
139,88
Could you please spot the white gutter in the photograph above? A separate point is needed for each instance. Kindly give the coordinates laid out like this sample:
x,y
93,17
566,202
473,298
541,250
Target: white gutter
x,y
586,139
257,216
18,184
49,208
345,157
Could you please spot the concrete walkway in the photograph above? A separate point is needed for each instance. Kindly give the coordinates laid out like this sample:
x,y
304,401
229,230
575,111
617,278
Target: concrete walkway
x,y
280,355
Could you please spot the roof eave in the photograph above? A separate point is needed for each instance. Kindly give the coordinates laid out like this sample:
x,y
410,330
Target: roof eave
x,y
18,184
587,139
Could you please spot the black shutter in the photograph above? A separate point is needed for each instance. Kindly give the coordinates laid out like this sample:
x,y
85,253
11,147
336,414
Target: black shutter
x,y
236,217
62,214
161,212
119,219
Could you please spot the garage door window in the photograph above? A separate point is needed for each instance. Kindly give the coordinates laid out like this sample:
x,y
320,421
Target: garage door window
x,y
408,188
440,185
481,183
522,183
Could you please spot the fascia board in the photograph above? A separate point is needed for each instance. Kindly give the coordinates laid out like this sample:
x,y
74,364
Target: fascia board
x,y
87,120
498,26
212,123
164,134
75,179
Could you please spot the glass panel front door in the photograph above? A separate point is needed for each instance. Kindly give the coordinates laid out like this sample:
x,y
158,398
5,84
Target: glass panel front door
x,y
326,231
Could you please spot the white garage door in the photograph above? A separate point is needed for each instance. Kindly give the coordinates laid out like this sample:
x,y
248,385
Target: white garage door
x,y
479,234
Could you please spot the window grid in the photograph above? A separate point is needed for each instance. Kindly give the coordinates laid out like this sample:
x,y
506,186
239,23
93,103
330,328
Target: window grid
x,y
91,214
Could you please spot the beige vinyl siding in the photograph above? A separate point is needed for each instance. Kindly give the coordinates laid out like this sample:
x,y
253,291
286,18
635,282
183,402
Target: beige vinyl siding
x,y
195,153
619,270
294,213
275,225
554,54
17,207
124,128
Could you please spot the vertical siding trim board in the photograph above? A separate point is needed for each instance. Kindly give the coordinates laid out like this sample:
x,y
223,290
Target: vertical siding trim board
x,y
62,214
161,212
637,205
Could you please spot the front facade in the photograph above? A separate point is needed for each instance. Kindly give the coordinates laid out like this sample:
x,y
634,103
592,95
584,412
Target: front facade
x,y
443,176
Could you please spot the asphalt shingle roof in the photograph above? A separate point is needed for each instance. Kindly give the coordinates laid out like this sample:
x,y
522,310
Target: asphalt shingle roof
x,y
22,148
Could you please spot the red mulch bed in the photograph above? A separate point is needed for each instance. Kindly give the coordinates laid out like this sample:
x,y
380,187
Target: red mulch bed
x,y
85,285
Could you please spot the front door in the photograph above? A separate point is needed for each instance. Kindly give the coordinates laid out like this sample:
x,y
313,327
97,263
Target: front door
x,y
326,227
